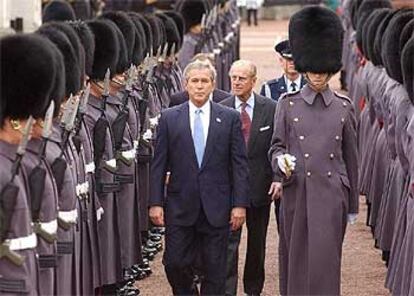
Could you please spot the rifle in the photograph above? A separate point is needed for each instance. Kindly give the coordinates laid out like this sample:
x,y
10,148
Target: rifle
x,y
8,198
37,178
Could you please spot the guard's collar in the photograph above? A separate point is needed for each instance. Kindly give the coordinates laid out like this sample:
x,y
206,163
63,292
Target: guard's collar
x,y
309,95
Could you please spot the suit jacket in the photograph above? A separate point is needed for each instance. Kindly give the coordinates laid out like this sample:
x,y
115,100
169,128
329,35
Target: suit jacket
x,y
217,186
277,87
181,97
261,175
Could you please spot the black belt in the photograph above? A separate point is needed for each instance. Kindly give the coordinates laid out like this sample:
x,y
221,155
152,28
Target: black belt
x,y
12,286
47,261
64,248
124,179
107,187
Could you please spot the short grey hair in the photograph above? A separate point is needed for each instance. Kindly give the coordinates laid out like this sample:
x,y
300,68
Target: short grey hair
x,y
245,63
200,65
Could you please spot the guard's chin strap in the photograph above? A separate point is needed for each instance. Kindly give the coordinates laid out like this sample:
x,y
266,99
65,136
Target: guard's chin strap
x,y
314,87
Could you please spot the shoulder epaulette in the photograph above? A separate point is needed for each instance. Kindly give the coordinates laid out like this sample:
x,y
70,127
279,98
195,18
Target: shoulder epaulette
x,y
343,97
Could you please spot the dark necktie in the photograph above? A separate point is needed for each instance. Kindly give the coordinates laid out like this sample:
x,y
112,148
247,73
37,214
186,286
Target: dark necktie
x,y
293,86
246,122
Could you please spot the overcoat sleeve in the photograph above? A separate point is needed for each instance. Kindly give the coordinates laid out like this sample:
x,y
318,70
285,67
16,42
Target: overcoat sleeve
x,y
159,165
350,156
279,139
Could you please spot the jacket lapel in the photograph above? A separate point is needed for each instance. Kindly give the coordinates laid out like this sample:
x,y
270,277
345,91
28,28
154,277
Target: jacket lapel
x,y
256,122
183,126
215,122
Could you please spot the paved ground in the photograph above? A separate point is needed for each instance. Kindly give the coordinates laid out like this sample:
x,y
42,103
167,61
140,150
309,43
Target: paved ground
x,y
363,272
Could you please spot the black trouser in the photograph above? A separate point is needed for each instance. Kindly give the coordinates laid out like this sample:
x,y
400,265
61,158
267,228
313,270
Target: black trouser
x,y
182,243
251,12
254,273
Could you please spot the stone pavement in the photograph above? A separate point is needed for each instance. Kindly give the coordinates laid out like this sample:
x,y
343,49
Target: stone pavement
x,y
363,272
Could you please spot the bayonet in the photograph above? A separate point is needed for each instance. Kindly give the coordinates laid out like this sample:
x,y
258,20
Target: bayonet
x,y
164,52
21,149
47,127
203,22
71,110
129,79
105,93
83,103
158,53
172,52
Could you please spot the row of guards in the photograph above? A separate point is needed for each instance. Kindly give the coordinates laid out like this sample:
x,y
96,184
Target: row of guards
x,y
378,57
78,119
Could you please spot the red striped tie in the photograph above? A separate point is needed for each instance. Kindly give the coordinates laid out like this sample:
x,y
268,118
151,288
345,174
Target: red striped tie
x,y
246,122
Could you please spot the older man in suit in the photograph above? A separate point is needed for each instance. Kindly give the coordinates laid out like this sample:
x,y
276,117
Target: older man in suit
x,y
256,113
201,144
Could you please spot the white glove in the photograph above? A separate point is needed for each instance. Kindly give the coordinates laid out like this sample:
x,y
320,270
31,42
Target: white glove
x,y
285,160
352,218
147,135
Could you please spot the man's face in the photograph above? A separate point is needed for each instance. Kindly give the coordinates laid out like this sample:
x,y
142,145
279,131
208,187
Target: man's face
x,y
199,85
318,81
288,66
242,82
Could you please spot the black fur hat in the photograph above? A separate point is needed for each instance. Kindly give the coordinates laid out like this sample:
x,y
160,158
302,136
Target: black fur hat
x,y
156,31
315,37
391,54
406,33
147,31
106,48
71,61
73,37
172,34
179,22
88,42
58,10
192,12
379,15
123,61
140,45
361,33
354,12
27,75
407,66
125,24
162,30
369,6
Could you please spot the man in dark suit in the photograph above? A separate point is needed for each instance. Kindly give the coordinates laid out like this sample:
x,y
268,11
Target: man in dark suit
x,y
256,113
217,95
291,79
201,144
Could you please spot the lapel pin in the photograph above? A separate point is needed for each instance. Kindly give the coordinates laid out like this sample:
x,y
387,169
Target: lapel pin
x,y
218,120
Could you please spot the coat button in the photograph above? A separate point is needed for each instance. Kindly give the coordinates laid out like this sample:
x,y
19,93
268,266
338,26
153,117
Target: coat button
x,y
301,138
296,119
331,156
306,155
308,174
344,104
342,120
291,103
329,174
337,138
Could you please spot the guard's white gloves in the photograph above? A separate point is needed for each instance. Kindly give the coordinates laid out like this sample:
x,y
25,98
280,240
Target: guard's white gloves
x,y
352,218
286,162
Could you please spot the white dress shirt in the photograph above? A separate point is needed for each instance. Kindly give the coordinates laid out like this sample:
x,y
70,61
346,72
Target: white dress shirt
x,y
205,117
249,107
289,83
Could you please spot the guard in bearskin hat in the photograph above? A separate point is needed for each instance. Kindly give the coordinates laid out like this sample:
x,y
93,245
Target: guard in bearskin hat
x,y
314,158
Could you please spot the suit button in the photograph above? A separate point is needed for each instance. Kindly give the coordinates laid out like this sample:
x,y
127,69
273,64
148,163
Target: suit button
x,y
337,138
308,174
296,119
331,156
329,174
306,155
301,138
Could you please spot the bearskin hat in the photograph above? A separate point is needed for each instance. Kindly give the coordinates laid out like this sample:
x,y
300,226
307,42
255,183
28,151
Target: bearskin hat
x,y
172,34
156,31
369,6
354,12
315,37
140,45
27,75
66,29
88,42
179,22
406,33
71,61
361,38
125,24
147,31
192,12
391,54
122,63
379,15
408,67
106,48
58,10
